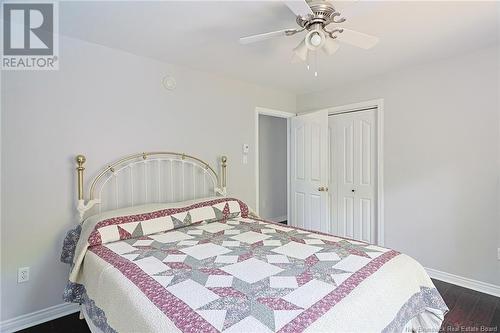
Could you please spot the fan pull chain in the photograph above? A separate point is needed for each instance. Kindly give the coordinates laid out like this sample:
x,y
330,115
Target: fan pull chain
x,y
315,64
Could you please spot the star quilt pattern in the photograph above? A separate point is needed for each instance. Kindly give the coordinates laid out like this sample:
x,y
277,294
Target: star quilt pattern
x,y
210,267
239,274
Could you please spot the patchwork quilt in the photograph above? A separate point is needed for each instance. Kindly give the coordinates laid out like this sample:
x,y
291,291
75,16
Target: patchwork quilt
x,y
206,266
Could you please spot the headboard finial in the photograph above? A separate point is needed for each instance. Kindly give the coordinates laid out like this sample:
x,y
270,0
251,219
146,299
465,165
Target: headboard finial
x,y
80,160
224,172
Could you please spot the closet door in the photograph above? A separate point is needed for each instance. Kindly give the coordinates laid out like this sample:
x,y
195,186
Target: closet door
x,y
309,171
353,175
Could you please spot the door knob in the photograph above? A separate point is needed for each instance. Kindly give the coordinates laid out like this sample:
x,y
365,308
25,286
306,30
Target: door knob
x,y
323,189
353,190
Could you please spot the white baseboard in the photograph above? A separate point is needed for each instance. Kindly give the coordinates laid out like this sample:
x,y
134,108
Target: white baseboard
x,y
483,287
278,218
38,317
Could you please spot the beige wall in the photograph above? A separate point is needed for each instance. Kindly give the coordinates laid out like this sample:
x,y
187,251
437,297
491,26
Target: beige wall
x,y
103,103
441,159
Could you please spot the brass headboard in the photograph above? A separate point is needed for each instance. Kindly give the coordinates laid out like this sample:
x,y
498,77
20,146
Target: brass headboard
x,y
201,174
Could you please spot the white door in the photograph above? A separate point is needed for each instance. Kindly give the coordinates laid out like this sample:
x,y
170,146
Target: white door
x,y
309,171
353,175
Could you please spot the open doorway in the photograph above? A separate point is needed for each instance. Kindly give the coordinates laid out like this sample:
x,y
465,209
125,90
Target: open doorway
x,y
272,164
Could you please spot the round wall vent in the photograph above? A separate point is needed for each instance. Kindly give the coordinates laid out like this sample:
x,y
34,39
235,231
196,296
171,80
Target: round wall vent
x,y
169,82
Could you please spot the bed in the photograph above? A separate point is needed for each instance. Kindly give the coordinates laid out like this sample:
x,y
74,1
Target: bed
x,y
206,263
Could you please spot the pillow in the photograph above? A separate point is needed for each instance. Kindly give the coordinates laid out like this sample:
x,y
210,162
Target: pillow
x,y
167,218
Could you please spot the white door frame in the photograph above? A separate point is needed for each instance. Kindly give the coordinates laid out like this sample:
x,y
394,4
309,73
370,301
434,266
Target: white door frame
x,y
379,104
280,114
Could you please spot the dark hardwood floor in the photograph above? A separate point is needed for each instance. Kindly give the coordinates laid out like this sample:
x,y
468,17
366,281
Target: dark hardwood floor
x,y
66,324
470,311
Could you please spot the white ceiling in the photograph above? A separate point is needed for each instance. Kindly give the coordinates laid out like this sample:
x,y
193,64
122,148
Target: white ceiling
x,y
204,35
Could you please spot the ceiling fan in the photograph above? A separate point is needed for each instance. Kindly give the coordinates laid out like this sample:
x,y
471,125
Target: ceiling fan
x,y
315,16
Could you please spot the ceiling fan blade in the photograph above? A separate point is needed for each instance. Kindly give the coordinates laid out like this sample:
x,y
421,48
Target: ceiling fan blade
x,y
264,36
330,46
299,7
357,39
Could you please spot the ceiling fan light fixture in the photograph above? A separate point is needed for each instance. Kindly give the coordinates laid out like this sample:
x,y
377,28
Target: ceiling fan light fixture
x,y
315,39
301,51
330,46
